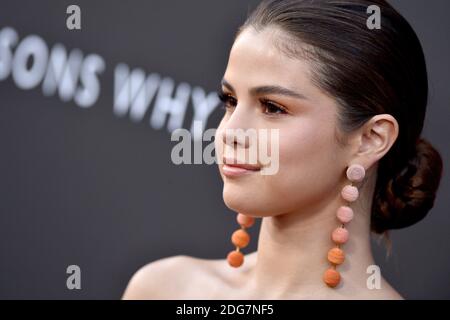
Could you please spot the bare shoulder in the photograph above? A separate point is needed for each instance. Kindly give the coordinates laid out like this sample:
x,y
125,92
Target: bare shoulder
x,y
156,279
173,277
187,277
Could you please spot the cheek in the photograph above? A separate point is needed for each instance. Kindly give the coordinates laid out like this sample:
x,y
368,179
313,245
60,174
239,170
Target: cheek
x,y
309,166
302,149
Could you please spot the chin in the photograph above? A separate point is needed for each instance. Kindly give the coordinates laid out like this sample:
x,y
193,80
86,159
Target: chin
x,y
246,203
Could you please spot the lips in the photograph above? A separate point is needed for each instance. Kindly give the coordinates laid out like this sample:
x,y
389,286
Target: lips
x,y
232,168
234,163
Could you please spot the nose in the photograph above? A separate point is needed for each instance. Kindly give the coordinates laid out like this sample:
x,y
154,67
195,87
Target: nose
x,y
235,138
235,132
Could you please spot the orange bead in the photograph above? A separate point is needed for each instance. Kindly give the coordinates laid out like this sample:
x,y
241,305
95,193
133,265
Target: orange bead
x,y
336,256
235,259
331,277
240,238
245,221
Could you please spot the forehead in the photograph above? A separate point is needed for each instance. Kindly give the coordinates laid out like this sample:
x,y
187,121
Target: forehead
x,y
255,59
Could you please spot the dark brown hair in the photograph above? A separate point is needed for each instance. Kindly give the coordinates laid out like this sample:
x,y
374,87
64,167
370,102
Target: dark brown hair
x,y
368,72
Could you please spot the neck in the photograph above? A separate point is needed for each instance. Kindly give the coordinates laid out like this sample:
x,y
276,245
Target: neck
x,y
292,250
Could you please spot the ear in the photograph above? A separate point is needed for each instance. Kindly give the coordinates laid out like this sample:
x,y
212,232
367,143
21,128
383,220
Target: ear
x,y
375,139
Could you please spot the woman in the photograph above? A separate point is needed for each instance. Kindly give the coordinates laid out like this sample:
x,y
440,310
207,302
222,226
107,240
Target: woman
x,y
349,103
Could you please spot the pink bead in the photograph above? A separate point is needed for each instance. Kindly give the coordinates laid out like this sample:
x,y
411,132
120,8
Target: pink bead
x,y
344,214
340,235
350,193
356,172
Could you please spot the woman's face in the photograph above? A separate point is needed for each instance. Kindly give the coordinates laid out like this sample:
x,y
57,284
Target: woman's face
x,y
311,163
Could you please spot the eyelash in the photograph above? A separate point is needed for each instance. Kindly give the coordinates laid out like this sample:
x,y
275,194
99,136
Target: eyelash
x,y
226,100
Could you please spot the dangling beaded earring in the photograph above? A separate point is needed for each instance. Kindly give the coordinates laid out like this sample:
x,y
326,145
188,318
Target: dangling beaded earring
x,y
240,238
336,256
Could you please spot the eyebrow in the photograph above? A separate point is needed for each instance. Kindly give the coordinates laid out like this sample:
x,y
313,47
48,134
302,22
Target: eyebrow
x,y
271,89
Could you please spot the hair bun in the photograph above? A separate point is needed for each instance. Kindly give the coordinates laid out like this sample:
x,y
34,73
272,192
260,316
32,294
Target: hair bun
x,y
407,197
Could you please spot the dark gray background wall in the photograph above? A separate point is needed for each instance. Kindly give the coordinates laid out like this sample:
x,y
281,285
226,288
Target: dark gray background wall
x,y
85,187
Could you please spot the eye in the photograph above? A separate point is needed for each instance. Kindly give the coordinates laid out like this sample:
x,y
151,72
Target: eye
x,y
227,100
271,108
268,107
